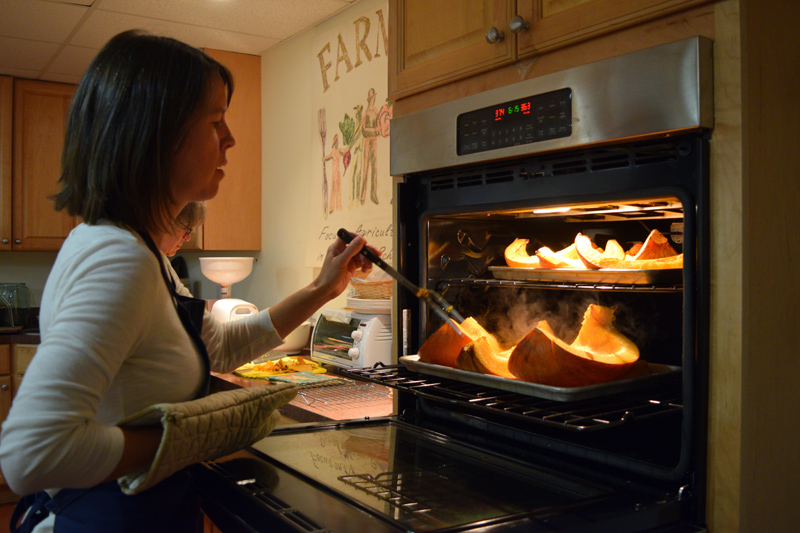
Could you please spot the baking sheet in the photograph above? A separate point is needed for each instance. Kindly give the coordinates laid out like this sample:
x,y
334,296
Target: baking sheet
x,y
669,276
565,394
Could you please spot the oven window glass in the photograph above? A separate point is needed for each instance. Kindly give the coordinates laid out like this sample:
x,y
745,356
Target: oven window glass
x,y
424,482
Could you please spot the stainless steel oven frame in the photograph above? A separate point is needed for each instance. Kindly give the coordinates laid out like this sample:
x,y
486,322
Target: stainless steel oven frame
x,y
650,107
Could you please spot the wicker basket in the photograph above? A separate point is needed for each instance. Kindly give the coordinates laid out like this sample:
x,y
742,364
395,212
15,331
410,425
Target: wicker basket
x,y
372,290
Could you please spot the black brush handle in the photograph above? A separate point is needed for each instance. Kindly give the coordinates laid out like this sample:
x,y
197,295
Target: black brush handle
x,y
439,304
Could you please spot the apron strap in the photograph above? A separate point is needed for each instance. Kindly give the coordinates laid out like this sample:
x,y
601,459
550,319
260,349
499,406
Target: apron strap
x,y
32,508
190,311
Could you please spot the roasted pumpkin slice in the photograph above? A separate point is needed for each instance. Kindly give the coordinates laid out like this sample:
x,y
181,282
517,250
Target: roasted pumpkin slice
x,y
599,354
594,259
613,250
550,259
478,356
569,252
655,247
599,340
443,347
517,256
633,250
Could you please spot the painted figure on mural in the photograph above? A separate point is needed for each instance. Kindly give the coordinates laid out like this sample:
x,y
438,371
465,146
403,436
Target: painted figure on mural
x,y
357,144
370,132
354,140
339,158
323,131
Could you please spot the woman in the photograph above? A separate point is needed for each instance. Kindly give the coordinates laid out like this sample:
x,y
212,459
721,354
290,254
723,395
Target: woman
x,y
107,417
189,218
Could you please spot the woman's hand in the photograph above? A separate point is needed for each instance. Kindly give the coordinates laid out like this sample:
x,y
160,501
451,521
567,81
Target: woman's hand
x,y
341,261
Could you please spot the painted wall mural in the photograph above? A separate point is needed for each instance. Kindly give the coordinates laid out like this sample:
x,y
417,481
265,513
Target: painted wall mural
x,y
350,185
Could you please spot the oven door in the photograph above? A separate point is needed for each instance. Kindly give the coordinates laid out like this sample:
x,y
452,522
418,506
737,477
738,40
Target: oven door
x,y
387,475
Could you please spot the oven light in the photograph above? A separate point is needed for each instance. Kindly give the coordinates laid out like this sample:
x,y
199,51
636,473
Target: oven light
x,y
550,210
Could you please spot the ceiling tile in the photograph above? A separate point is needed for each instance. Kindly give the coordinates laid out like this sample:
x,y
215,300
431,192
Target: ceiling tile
x,y
103,25
24,54
56,39
39,21
269,18
72,60
18,72
80,2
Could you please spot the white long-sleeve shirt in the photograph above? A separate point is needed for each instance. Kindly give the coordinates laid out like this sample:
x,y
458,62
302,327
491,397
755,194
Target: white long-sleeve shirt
x,y
111,345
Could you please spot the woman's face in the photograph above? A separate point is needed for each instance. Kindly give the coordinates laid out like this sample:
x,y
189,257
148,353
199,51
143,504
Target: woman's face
x,y
172,243
196,168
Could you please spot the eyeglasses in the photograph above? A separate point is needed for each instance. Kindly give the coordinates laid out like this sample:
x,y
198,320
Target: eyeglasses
x,y
187,234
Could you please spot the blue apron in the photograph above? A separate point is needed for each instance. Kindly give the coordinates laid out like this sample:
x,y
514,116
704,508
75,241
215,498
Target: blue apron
x,y
172,506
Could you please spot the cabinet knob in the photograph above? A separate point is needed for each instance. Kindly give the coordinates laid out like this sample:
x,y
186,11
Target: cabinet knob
x,y
518,25
18,241
493,35
5,241
4,387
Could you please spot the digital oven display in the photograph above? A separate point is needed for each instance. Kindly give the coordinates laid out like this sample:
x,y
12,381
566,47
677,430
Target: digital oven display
x,y
522,121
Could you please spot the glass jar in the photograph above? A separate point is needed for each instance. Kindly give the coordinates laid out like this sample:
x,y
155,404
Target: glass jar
x,y
18,298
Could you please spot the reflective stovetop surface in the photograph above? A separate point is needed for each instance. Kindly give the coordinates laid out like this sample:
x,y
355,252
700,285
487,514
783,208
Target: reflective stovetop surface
x,y
420,479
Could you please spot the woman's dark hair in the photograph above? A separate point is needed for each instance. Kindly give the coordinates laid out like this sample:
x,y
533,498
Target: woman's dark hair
x,y
132,107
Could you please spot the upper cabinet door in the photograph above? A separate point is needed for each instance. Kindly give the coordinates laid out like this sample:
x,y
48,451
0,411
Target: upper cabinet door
x,y
40,117
234,214
6,110
554,24
433,43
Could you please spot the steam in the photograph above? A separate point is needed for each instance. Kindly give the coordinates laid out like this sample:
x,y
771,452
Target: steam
x,y
514,314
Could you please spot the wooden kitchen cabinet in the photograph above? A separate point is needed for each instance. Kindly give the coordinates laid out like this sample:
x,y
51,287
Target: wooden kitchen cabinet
x,y
5,381
557,23
234,215
432,43
6,110
21,356
14,360
428,50
6,495
40,116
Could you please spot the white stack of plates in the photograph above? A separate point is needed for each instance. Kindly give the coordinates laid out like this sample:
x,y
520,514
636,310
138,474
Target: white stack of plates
x,y
370,307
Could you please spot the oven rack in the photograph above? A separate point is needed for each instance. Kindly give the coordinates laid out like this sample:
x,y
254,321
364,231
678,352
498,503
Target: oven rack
x,y
409,494
442,285
587,415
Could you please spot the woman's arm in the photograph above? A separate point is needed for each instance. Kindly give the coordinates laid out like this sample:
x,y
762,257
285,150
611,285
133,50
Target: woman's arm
x,y
234,343
340,262
141,445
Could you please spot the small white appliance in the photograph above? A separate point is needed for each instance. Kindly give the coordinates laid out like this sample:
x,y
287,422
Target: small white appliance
x,y
230,309
349,339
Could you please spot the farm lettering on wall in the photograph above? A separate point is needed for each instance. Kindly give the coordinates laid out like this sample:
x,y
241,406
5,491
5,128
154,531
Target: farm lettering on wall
x,y
350,185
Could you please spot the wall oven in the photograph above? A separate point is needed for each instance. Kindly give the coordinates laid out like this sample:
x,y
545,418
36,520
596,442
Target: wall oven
x,y
612,150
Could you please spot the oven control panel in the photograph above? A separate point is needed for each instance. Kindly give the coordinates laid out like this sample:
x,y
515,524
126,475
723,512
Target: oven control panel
x,y
521,121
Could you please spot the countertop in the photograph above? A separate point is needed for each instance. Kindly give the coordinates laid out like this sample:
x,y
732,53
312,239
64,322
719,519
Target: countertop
x,y
349,400
21,337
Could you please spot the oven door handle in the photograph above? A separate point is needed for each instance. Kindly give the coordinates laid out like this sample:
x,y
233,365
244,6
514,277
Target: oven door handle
x,y
441,306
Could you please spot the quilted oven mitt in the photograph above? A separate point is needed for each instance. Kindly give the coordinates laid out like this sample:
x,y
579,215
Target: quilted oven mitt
x,y
206,428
